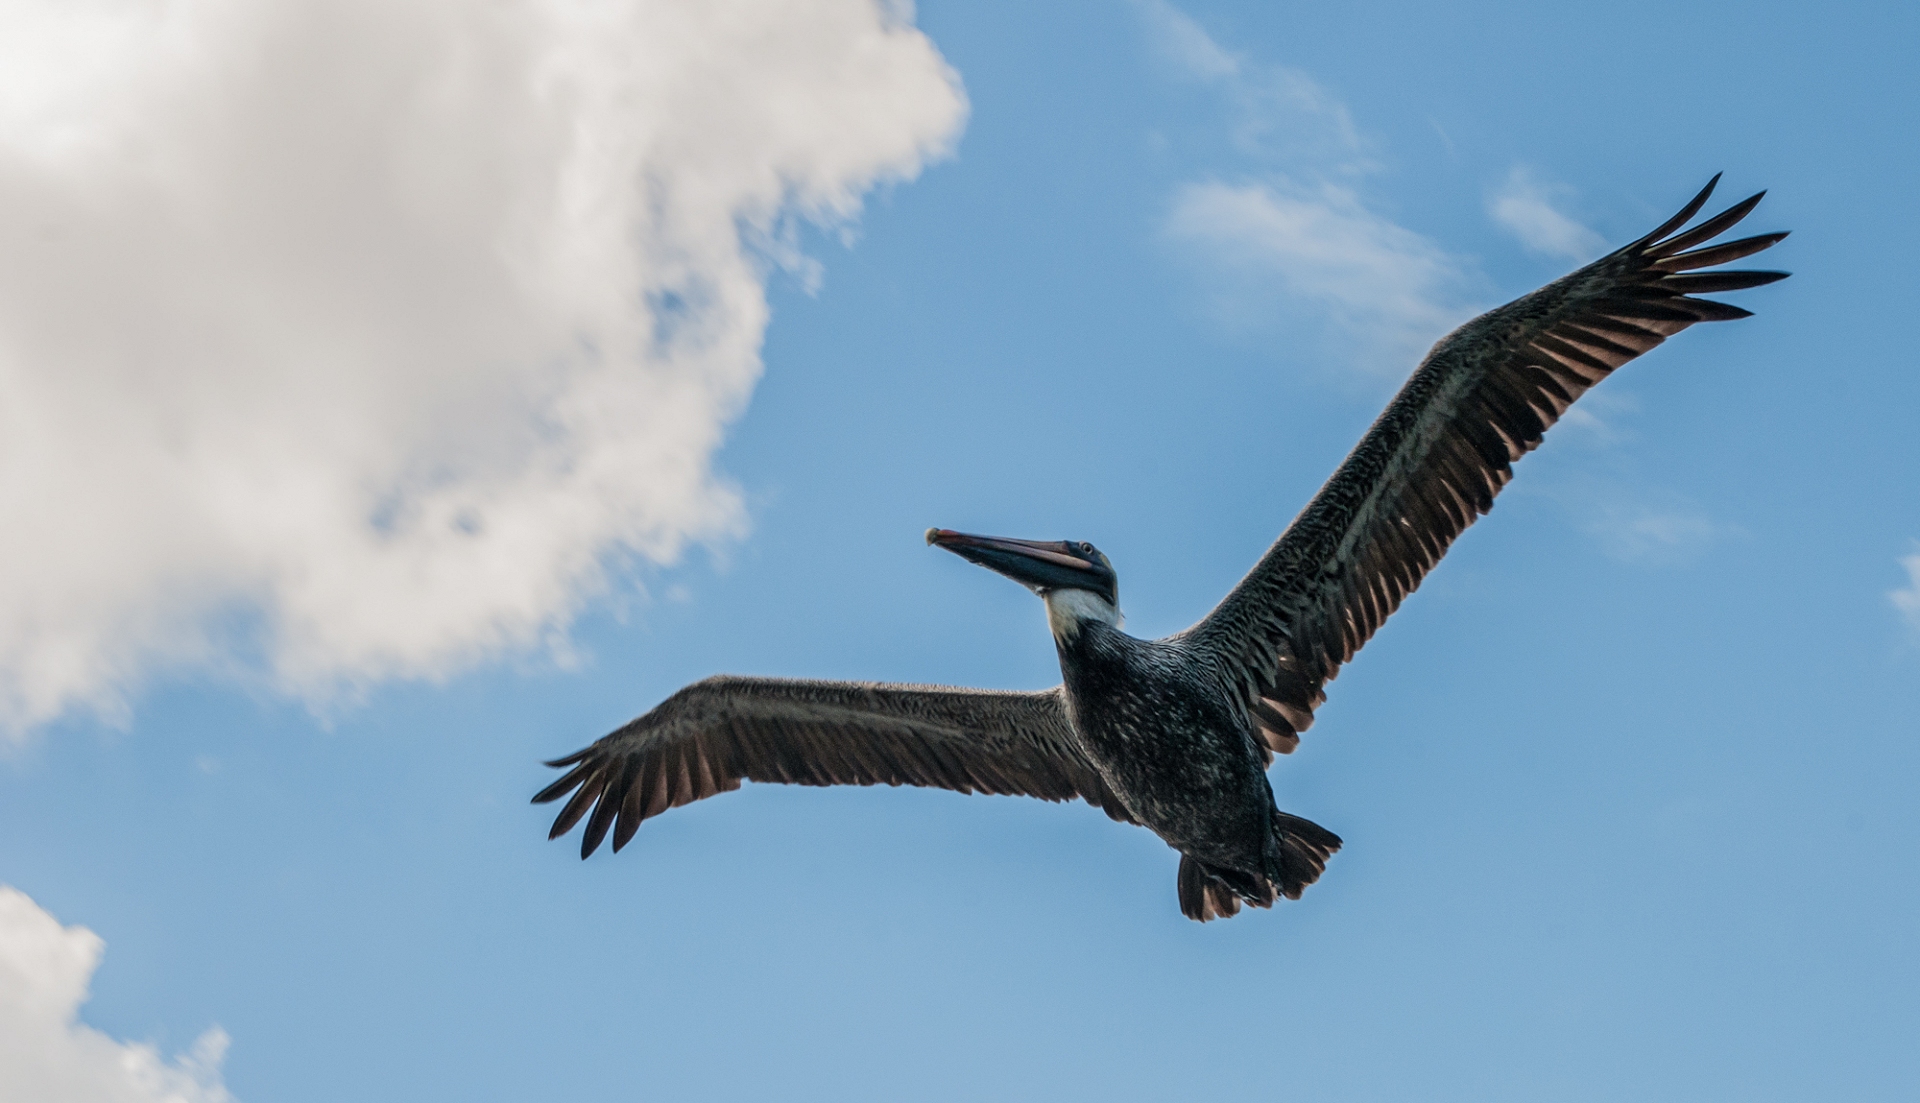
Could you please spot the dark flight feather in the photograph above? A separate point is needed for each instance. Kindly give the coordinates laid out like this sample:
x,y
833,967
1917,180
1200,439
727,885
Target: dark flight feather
x,y
714,734
1434,460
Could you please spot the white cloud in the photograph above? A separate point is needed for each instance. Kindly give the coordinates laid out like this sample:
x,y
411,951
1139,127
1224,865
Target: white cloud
x,y
1298,243
1320,252
1907,600
1601,417
1185,44
343,340
1280,113
48,1056
1297,246
1638,525
1525,207
1639,534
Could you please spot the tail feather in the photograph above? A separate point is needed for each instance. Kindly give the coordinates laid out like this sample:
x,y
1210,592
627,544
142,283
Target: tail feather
x,y
1300,855
1202,895
1303,848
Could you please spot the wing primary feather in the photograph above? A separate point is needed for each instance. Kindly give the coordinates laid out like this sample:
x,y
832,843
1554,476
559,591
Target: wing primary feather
x,y
1626,345
578,806
1719,254
564,786
608,806
1609,351
1673,309
597,824
1711,311
632,813
682,778
1571,353
656,786
1706,283
1602,323
1712,227
1670,225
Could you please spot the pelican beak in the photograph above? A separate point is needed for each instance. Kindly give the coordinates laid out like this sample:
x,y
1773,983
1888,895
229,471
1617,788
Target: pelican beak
x,y
1039,565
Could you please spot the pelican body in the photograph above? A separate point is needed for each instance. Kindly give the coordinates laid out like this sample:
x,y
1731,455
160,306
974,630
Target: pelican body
x,y
1176,734
1165,730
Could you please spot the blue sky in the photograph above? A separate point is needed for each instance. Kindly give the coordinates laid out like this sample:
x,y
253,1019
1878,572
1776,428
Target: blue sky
x,y
1626,787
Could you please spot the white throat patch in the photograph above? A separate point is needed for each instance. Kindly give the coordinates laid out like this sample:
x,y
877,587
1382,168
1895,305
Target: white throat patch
x,y
1066,609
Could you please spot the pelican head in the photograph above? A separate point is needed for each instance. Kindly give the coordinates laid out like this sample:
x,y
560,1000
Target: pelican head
x,y
1073,577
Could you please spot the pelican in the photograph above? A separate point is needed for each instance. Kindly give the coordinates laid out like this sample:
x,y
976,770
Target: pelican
x,y
1176,734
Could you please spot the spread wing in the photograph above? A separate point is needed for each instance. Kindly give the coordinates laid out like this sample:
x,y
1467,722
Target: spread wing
x,y
1432,463
712,735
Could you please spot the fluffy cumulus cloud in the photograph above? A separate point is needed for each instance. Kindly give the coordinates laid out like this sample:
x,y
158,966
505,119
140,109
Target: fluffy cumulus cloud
x,y
344,340
1526,208
48,1056
1294,239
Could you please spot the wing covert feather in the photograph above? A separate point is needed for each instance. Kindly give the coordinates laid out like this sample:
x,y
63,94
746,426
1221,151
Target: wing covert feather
x,y
714,734
1441,451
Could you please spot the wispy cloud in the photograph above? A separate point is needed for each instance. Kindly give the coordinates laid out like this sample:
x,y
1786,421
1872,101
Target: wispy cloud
x,y
1293,242
362,337
1648,528
1524,205
1319,253
1279,112
1637,533
1601,416
1907,599
47,1055
1296,241
1178,40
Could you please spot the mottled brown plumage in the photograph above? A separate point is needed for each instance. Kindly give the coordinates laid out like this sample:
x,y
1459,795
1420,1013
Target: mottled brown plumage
x,y
1175,734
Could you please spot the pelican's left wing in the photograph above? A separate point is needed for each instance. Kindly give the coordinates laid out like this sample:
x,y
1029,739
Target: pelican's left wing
x,y
1434,460
714,734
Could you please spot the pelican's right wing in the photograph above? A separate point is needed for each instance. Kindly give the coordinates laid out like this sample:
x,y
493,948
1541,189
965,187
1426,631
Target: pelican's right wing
x,y
1445,446
714,734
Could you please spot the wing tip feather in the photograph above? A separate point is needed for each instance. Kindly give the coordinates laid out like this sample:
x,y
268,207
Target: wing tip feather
x,y
1711,310
560,788
1680,218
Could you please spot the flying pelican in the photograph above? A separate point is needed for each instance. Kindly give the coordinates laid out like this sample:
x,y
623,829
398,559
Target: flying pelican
x,y
1176,734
